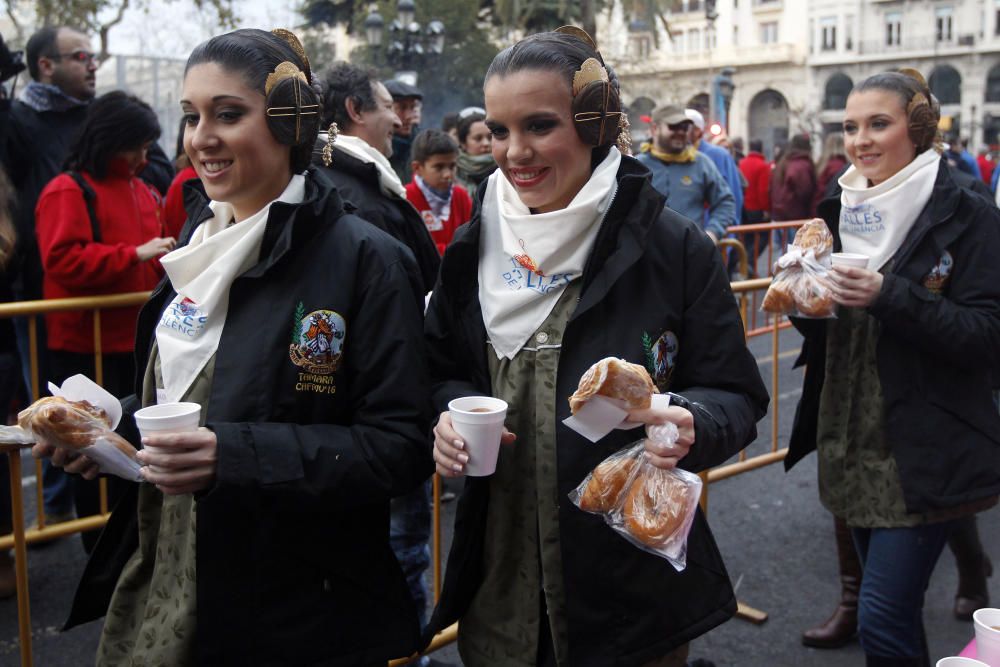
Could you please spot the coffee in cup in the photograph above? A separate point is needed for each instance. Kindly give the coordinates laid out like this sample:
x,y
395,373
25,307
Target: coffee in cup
x,y
479,420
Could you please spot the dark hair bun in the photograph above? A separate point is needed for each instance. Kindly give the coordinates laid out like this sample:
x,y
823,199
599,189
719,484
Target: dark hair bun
x,y
293,111
596,113
922,122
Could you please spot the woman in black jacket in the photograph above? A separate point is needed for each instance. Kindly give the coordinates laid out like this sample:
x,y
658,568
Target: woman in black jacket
x,y
573,258
897,395
262,538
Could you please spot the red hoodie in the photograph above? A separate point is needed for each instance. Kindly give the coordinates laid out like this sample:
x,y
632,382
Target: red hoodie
x,y
757,170
129,215
441,230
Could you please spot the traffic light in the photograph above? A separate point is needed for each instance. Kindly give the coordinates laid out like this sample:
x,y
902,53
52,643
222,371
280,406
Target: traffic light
x,y
710,12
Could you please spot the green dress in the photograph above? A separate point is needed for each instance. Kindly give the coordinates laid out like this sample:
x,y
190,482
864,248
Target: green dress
x,y
521,555
151,618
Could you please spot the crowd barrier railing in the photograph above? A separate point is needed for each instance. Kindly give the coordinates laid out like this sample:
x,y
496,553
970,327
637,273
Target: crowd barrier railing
x,y
747,292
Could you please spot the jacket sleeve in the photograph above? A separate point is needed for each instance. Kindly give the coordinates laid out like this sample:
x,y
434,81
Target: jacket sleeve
x,y
66,243
450,373
384,451
962,327
721,204
735,182
716,375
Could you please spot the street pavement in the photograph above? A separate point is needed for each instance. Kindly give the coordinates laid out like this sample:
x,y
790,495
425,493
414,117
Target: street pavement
x,y
774,534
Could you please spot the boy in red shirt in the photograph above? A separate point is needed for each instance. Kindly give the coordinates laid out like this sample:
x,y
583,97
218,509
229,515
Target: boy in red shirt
x,y
442,205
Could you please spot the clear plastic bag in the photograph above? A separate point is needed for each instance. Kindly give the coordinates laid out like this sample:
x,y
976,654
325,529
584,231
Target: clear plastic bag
x,y
800,286
650,507
82,427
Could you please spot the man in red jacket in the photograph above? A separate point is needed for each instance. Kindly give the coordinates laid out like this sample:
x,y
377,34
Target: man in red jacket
x,y
757,199
443,206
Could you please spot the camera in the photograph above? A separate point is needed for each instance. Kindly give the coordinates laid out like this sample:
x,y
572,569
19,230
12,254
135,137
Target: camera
x,y
11,62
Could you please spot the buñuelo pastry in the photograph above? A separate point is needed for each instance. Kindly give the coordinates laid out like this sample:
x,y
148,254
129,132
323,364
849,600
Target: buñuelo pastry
x,y
615,378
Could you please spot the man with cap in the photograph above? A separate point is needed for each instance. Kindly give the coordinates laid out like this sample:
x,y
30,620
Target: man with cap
x,y
690,182
721,158
407,101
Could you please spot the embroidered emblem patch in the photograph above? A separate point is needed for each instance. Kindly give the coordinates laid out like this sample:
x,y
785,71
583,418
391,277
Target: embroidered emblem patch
x,y
686,180
431,222
937,278
317,341
185,317
661,357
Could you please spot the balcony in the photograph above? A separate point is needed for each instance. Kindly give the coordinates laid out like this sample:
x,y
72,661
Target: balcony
x,y
764,5
666,60
684,7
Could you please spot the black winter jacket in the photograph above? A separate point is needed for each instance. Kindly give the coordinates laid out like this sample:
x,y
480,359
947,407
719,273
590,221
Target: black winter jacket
x,y
651,272
294,565
938,347
358,184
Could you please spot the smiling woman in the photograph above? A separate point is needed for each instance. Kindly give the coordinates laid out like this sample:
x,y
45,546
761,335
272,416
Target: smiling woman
x,y
897,393
272,317
572,258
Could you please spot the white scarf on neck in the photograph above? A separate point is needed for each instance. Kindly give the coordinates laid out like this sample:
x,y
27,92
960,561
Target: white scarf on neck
x,y
357,147
201,273
875,220
515,300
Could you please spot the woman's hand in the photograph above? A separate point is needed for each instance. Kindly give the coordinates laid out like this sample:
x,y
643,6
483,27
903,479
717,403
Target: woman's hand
x,y
155,247
659,454
67,459
449,448
853,286
180,462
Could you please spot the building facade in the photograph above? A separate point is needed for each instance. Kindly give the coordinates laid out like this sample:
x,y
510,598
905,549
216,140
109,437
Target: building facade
x,y
676,57
955,44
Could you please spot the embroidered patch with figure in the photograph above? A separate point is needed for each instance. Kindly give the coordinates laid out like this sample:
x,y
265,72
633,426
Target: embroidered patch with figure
x,y
317,341
937,277
184,316
686,180
661,357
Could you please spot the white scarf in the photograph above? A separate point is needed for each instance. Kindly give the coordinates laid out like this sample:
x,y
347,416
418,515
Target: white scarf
x,y
357,147
201,273
514,299
875,220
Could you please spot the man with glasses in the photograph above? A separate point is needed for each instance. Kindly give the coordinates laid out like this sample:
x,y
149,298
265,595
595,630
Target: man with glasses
x,y
690,182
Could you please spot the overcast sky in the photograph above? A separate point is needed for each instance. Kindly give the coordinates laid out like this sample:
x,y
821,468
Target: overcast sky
x,y
172,29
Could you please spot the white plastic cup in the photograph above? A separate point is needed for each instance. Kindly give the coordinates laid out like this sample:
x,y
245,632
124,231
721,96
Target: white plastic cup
x,y
167,418
479,420
849,259
959,661
986,621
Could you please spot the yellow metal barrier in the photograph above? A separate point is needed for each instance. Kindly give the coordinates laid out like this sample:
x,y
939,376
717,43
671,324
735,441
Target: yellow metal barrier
x,y
746,291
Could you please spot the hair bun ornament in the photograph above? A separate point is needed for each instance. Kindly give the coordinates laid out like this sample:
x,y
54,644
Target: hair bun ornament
x,y
579,33
913,74
922,122
289,38
293,108
596,105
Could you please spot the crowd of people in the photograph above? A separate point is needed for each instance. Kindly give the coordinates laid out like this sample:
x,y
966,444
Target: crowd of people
x,y
500,255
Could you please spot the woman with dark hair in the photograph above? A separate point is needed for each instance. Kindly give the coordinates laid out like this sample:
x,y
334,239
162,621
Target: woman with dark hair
x,y
554,273
831,165
793,182
174,215
897,393
475,161
262,537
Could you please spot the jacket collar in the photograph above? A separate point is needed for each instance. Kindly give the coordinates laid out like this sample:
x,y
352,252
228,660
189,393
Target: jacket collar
x,y
286,223
619,243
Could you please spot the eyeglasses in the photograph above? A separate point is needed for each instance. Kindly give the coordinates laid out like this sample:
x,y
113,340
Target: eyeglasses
x,y
77,56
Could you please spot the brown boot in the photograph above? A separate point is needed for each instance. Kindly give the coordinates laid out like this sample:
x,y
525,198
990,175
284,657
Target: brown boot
x,y
974,567
841,627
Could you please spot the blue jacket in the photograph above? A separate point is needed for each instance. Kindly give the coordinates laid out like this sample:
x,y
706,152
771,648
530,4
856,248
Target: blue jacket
x,y
726,165
690,186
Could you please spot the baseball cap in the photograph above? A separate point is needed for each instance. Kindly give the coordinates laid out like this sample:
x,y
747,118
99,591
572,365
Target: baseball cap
x,y
695,117
401,90
669,114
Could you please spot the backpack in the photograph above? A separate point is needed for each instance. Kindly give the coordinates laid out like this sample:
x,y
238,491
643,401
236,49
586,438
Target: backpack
x,y
89,197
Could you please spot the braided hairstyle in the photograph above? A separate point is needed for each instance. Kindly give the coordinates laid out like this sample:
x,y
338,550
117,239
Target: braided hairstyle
x,y
922,112
596,108
256,54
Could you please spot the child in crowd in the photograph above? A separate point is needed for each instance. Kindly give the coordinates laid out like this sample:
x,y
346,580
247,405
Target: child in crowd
x,y
442,205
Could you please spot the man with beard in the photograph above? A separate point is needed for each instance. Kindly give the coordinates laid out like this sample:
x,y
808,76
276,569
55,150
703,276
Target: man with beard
x,y
407,102
688,179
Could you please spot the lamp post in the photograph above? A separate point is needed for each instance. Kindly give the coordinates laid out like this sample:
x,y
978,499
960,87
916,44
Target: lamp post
x,y
724,88
409,45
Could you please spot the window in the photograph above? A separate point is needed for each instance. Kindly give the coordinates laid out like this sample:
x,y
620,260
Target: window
x,y
710,38
769,32
943,24
828,26
812,35
694,41
849,32
893,28
996,17
639,46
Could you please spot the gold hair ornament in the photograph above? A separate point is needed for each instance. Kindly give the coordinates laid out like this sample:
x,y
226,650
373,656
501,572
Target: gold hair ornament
x,y
591,70
331,136
579,33
289,38
287,70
